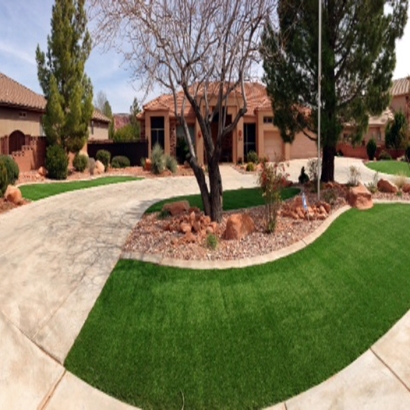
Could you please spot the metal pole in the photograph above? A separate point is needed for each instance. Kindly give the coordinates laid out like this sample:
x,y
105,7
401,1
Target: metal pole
x,y
319,100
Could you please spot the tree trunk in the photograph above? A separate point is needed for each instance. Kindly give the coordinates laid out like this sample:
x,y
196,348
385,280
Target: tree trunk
x,y
215,183
203,187
328,164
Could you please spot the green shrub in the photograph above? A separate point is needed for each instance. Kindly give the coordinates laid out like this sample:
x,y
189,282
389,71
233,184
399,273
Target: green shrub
x,y
164,214
120,161
104,156
252,156
158,159
4,181
354,175
80,162
372,186
407,154
371,149
171,163
212,241
91,165
56,162
384,156
250,167
12,168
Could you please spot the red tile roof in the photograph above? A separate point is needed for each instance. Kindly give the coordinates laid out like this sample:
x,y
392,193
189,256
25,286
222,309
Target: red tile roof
x,y
401,86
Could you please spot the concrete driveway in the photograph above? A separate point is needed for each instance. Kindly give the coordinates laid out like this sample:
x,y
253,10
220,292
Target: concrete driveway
x,y
55,257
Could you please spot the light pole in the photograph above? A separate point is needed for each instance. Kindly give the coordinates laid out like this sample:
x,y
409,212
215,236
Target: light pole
x,y
319,100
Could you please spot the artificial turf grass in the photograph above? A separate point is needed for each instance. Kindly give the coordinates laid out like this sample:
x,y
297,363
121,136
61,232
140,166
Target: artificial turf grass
x,y
34,192
390,167
232,199
248,338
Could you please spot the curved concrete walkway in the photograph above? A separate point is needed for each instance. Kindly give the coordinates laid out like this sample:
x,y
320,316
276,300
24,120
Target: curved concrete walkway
x,y
55,258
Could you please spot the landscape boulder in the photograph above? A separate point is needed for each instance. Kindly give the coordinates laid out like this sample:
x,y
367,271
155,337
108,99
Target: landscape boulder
x,y
42,171
99,167
386,186
176,208
406,188
359,197
148,165
238,226
13,195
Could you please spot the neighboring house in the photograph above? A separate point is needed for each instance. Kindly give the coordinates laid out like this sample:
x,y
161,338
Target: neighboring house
x,y
254,132
21,133
121,121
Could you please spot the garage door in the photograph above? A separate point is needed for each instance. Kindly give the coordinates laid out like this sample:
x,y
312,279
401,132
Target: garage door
x,y
273,145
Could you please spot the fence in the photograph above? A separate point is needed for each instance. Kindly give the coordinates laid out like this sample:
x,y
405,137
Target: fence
x,y
361,152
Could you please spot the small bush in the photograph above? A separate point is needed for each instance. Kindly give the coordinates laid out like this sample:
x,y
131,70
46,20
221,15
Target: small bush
x,y
354,175
80,162
384,156
158,159
104,156
371,149
250,167
12,168
212,241
91,165
171,163
330,196
252,157
56,162
313,167
372,186
120,161
303,177
4,181
400,179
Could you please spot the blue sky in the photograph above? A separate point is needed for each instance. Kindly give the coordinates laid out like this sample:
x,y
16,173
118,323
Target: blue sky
x,y
26,23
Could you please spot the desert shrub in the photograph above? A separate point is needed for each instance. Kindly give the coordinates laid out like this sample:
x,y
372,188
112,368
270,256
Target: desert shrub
x,y
354,175
56,162
4,181
164,214
372,186
158,159
171,163
303,177
252,156
143,161
250,167
12,168
397,131
270,180
384,156
330,196
400,179
371,149
104,156
80,162
212,241
120,161
313,168
91,165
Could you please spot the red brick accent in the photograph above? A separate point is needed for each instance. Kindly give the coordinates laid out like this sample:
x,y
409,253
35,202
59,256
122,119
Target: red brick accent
x,y
32,156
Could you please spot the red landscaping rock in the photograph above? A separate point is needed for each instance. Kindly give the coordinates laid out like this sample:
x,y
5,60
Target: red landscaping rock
x,y
386,186
42,171
406,188
238,226
359,197
148,165
99,167
176,208
13,195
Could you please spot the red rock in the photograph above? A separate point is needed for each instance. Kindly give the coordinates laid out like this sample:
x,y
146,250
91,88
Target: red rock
x,y
359,197
209,230
326,206
42,171
185,227
238,226
189,238
148,165
176,208
196,226
99,167
206,220
214,226
13,195
386,186
194,209
406,188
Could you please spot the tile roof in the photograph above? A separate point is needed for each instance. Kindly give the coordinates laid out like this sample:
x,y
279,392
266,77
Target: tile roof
x,y
14,94
401,86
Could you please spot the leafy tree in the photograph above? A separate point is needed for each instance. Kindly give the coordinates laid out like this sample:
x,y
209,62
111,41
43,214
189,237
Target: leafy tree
x,y
397,132
358,59
127,133
62,77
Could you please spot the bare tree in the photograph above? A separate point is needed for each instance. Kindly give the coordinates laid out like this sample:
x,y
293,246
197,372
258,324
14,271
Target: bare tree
x,y
204,50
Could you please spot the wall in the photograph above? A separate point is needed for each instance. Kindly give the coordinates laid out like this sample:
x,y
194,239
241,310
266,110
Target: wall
x,y
100,131
10,120
361,152
398,103
32,156
302,147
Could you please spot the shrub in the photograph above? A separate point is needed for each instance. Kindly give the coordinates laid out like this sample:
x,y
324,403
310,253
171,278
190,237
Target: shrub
x,y
384,156
56,162
250,167
143,161
354,175
158,159
371,149
4,181
212,241
330,196
120,161
104,156
80,162
252,156
400,179
313,166
303,177
12,168
407,154
171,163
91,165
164,214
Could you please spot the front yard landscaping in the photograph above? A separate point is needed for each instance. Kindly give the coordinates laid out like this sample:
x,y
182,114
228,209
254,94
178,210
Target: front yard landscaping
x,y
169,338
390,167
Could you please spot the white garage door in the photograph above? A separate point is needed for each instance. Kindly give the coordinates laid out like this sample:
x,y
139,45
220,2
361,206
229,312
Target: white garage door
x,y
273,145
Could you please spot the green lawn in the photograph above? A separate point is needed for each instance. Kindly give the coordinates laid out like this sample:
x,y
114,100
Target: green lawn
x,y
248,338
233,199
34,192
390,167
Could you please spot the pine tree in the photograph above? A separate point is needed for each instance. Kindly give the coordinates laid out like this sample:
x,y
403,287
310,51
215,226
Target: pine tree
x,y
61,73
358,59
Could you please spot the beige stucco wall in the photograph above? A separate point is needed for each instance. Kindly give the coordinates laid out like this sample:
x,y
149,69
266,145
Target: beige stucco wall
x,y
398,103
12,119
100,131
302,147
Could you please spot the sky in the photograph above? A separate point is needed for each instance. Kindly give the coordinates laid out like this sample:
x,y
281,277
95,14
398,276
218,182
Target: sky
x,y
26,23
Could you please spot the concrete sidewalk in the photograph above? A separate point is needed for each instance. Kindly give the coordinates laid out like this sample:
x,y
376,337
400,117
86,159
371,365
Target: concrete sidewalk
x,y
55,258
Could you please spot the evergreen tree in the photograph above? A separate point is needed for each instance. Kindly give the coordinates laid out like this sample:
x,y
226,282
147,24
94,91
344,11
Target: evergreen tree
x,y
358,59
62,77
397,132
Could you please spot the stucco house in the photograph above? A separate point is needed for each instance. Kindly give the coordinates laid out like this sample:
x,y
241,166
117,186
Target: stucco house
x,y
21,133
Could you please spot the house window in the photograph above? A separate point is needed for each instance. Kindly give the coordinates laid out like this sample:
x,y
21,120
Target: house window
x,y
158,131
249,138
268,120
